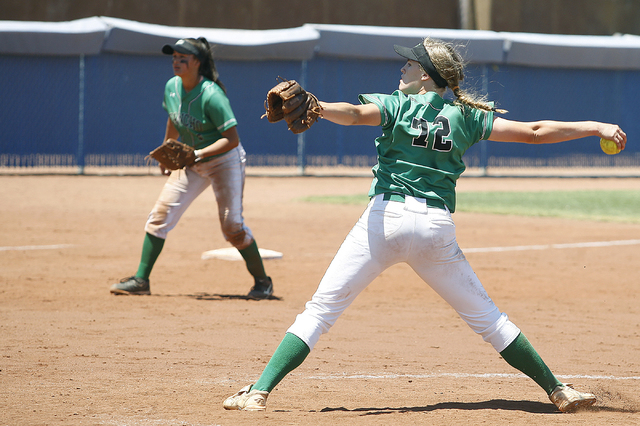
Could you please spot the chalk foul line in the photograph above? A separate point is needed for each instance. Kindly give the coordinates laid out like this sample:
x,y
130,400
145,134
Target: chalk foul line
x,y
463,376
23,248
553,246
467,250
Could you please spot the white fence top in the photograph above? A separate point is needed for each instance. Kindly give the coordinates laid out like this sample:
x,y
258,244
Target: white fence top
x,y
92,36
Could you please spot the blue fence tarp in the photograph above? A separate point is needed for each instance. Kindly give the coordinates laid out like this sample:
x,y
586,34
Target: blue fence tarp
x,y
91,90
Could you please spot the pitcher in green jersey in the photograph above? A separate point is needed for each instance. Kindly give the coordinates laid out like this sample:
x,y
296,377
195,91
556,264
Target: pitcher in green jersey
x,y
408,218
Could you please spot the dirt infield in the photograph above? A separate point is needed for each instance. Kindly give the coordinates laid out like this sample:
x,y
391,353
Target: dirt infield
x,y
73,354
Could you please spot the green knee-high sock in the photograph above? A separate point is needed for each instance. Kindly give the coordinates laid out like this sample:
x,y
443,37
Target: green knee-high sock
x,y
289,355
521,355
151,248
252,258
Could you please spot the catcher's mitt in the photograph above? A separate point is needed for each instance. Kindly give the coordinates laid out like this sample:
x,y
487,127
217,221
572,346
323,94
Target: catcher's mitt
x,y
174,155
288,100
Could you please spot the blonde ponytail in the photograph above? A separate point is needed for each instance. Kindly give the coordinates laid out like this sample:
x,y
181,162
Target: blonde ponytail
x,y
450,66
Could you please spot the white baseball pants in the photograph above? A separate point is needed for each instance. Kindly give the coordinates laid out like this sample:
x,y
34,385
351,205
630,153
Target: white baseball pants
x,y
390,232
226,175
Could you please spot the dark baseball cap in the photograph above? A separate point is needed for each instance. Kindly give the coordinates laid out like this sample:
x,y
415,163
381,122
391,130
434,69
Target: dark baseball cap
x,y
420,54
181,46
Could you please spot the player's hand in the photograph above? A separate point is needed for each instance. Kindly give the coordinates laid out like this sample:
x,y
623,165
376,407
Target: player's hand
x,y
614,133
164,171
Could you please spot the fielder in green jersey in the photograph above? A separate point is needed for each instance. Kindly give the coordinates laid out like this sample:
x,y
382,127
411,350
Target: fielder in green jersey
x,y
200,115
409,216
207,112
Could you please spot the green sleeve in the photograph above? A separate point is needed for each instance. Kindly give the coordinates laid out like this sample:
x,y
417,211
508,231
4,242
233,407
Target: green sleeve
x,y
387,104
219,109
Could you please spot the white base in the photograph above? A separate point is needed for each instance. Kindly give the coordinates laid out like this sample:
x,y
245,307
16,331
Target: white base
x,y
232,253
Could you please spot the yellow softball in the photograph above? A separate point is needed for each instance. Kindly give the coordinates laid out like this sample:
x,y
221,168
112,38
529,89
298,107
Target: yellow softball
x,y
609,147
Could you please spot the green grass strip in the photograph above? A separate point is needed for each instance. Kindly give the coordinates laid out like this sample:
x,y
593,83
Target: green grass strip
x,y
609,206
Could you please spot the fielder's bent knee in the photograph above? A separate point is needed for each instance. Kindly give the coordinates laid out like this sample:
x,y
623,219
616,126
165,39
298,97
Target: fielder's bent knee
x,y
239,239
157,221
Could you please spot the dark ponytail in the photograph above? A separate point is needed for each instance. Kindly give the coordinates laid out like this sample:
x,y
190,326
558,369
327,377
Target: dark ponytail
x,y
207,65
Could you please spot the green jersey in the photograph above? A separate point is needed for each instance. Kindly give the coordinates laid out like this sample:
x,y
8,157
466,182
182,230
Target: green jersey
x,y
421,147
200,115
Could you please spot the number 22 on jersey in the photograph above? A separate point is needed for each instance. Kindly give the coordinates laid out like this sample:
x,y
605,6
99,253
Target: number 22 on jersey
x,y
442,131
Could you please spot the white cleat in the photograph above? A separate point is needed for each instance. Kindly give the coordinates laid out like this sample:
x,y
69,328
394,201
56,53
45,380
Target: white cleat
x,y
567,399
247,400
